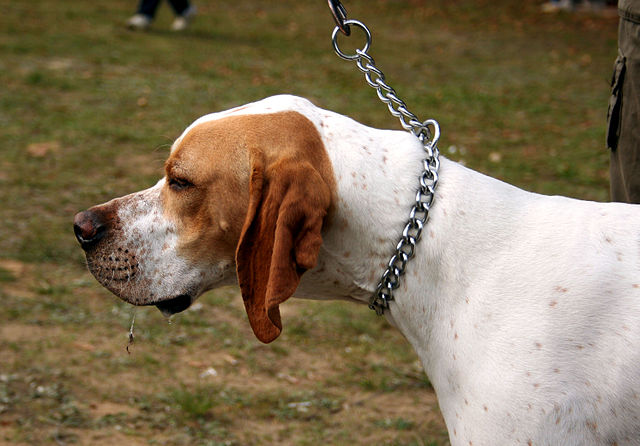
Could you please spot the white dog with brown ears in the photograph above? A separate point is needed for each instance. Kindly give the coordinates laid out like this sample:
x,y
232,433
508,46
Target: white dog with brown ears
x,y
524,308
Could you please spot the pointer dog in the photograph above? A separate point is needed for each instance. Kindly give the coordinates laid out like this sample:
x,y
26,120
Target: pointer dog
x,y
523,308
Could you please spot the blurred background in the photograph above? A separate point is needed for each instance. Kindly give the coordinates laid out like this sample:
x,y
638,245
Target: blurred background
x,y
88,110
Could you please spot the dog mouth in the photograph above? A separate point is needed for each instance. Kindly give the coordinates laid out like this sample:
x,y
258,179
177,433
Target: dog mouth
x,y
175,305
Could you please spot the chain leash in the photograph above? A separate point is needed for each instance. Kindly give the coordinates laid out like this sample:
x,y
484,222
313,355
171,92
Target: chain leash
x,y
418,216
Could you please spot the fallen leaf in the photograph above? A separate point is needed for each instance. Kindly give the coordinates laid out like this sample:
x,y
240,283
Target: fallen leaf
x,y
42,149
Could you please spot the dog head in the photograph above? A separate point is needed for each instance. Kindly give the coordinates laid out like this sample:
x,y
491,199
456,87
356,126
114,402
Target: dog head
x,y
244,195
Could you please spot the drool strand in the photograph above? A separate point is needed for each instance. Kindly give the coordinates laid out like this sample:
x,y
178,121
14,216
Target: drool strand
x,y
131,336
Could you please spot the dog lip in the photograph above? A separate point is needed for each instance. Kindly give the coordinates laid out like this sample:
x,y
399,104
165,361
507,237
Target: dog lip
x,y
174,305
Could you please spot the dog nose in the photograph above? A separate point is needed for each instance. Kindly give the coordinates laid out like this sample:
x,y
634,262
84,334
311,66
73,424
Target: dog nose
x,y
89,227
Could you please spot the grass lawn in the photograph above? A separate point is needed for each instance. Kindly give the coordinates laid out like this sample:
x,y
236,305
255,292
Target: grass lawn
x,y
88,110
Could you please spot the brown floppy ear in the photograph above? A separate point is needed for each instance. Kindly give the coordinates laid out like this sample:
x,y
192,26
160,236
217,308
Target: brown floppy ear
x,y
280,238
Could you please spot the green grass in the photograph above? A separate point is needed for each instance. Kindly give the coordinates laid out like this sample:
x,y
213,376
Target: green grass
x,y
194,403
88,111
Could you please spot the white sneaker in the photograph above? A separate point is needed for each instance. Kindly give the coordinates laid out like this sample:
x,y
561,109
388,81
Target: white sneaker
x,y
139,22
558,5
182,21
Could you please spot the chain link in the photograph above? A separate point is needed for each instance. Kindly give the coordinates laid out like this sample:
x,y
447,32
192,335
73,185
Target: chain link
x,y
418,216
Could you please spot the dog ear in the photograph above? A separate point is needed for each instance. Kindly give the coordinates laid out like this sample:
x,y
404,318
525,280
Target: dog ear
x,y
280,238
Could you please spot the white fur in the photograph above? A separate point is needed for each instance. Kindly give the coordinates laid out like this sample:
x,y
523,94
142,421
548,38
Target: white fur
x,y
153,237
524,309
140,263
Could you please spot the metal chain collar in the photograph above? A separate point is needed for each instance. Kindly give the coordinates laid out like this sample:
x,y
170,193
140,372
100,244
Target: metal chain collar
x,y
405,249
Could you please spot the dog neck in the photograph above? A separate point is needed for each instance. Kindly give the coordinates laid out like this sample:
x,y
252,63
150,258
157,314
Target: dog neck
x,y
377,176
376,173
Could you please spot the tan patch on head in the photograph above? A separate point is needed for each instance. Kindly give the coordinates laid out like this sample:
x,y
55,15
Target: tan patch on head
x,y
215,157
248,176
210,214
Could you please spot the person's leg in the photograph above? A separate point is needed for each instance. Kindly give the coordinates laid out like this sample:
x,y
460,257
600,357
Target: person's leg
x,y
184,14
148,7
144,15
623,135
180,7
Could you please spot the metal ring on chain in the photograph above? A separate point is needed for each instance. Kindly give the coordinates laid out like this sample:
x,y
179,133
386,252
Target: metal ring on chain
x,y
357,24
436,130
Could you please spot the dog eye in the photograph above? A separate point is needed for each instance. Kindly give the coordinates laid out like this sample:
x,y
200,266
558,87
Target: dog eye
x,y
178,184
